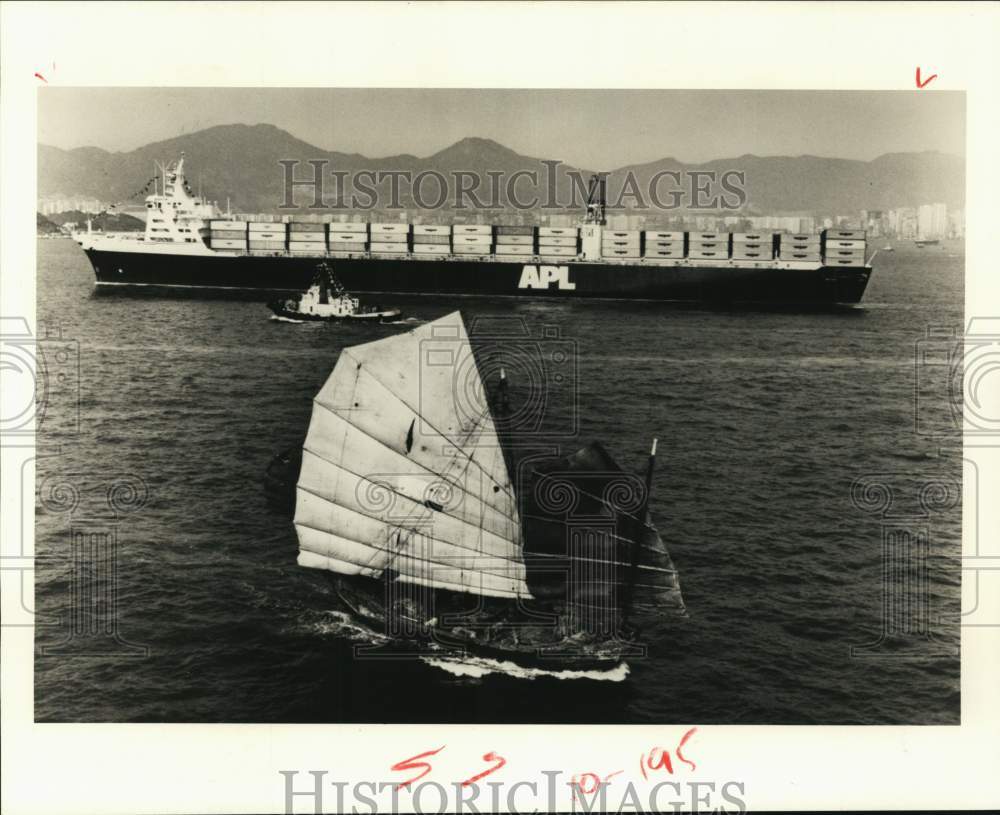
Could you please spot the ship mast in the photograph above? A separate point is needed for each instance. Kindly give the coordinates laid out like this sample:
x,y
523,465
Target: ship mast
x,y
597,195
639,525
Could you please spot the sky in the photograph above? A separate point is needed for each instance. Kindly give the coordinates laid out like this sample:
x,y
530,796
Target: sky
x,y
590,128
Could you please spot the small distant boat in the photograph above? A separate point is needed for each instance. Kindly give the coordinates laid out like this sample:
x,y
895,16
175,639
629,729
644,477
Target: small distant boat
x,y
888,248
327,300
922,242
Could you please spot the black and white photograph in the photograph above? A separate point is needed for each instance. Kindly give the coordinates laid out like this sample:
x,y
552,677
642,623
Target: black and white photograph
x,y
421,404
542,433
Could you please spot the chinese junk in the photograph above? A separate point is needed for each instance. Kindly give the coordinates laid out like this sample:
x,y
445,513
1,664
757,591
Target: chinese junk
x,y
432,523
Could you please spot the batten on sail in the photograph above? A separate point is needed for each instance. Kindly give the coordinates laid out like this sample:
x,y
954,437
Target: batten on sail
x,y
402,469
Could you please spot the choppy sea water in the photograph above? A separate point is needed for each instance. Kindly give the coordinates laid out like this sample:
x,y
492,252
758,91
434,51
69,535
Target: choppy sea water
x,y
766,420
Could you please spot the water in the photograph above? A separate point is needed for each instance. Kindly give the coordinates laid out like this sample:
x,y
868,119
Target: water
x,y
765,420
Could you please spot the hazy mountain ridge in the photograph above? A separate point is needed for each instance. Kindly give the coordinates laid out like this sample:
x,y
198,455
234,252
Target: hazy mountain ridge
x,y
241,162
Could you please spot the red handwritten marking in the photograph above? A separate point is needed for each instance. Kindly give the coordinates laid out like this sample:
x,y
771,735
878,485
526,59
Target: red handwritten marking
x,y
663,763
680,747
491,756
577,781
41,78
924,83
413,764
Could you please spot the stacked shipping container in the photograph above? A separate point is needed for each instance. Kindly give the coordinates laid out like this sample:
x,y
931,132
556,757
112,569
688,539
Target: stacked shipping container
x,y
839,247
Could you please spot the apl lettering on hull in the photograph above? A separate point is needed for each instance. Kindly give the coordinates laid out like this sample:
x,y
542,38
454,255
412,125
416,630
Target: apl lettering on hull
x,y
541,277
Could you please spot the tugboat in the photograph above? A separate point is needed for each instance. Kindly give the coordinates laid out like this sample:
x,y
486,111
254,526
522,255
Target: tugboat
x,y
327,300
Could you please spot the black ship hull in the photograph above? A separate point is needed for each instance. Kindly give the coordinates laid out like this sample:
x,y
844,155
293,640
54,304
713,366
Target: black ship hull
x,y
490,278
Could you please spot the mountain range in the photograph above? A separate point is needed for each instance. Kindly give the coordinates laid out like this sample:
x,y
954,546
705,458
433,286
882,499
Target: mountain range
x,y
241,162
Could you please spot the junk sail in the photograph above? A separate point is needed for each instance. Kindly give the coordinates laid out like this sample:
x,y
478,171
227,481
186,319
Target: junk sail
x,y
403,472
483,541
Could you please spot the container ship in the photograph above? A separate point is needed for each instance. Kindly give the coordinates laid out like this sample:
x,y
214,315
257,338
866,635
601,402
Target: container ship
x,y
189,242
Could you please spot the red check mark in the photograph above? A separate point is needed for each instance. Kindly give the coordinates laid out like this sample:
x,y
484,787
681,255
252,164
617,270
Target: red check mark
x,y
926,81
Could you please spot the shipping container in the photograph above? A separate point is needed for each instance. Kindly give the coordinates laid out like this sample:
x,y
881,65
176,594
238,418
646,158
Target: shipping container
x,y
844,234
618,243
431,248
306,226
669,245
844,244
846,254
753,254
228,243
621,252
390,237
240,225
355,228
799,247
788,254
389,229
844,262
307,246
431,239
652,235
620,235
472,229
753,237
557,240
273,246
665,253
431,229
522,231
558,231
708,236
346,237
267,236
515,240
346,247
557,251
708,254
268,227
515,249
239,234
709,246
800,237
298,237
472,240
396,247
473,249
752,246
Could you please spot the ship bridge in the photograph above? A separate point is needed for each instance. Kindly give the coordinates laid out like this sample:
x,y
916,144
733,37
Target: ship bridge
x,y
175,215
